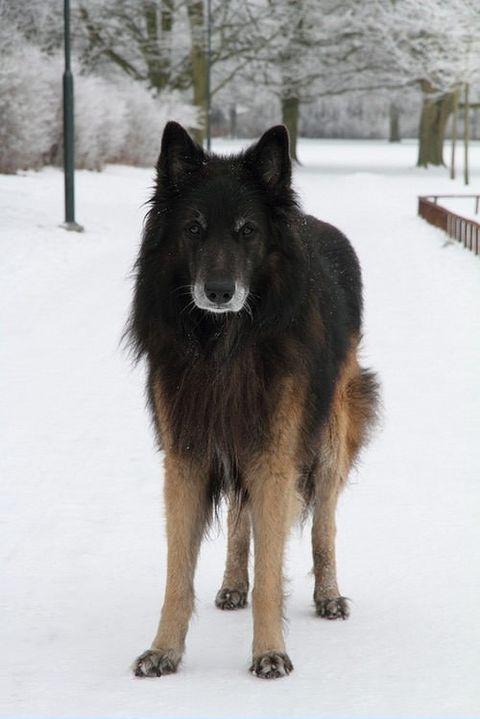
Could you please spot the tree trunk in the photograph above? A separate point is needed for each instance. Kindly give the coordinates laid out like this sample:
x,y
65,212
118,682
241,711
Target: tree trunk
x,y
150,46
233,121
394,115
198,59
290,112
436,110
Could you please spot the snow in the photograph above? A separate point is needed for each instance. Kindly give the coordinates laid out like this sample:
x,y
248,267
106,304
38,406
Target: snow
x,y
82,536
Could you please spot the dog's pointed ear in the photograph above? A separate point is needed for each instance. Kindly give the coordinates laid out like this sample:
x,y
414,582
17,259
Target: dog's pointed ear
x,y
179,156
270,158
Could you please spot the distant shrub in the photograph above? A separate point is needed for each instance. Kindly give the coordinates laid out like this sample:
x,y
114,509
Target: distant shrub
x,y
146,117
28,108
100,122
115,120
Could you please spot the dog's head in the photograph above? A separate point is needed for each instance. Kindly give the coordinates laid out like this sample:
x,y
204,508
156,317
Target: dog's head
x,y
217,216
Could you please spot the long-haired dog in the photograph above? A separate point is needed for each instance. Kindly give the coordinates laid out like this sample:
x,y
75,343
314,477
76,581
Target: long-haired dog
x,y
248,313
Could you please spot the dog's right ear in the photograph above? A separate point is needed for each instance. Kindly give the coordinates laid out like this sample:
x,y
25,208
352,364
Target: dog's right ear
x,y
270,158
179,156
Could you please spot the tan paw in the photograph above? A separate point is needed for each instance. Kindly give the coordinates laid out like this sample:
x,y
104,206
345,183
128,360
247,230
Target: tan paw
x,y
271,665
231,599
153,663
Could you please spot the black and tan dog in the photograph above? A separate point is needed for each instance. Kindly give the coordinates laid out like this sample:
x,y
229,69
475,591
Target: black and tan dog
x,y
248,312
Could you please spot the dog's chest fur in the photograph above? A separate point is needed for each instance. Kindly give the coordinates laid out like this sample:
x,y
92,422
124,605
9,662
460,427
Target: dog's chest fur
x,y
219,411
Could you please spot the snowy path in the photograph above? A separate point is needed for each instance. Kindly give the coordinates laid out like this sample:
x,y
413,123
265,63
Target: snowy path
x,y
82,524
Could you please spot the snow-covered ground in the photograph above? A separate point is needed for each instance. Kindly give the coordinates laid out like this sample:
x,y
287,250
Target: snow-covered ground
x,y
82,538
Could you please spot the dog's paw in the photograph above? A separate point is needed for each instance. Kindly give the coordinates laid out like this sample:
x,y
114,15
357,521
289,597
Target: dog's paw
x,y
231,599
153,663
336,608
271,665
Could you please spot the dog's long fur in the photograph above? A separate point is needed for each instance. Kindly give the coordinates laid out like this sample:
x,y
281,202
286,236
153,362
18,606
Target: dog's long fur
x,y
259,405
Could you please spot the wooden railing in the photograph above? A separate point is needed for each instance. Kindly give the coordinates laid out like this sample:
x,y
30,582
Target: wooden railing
x,y
457,227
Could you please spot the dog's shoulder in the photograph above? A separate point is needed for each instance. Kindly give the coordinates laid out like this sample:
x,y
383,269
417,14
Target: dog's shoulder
x,y
334,265
327,241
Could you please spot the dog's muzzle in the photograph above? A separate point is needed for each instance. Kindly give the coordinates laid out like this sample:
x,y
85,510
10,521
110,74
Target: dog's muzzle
x,y
219,295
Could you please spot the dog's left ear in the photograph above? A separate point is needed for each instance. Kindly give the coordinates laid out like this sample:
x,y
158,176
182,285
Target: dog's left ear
x,y
179,156
270,158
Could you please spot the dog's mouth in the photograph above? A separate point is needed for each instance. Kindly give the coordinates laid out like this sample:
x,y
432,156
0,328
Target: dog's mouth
x,y
220,296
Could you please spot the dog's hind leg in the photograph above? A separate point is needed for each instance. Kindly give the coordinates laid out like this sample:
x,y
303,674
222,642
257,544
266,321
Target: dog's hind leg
x,y
328,601
330,476
234,589
187,511
353,412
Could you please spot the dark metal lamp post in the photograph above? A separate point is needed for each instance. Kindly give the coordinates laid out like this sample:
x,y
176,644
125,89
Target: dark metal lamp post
x,y
68,131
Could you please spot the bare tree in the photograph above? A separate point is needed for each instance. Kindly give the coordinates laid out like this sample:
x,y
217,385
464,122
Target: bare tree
x,y
436,46
162,42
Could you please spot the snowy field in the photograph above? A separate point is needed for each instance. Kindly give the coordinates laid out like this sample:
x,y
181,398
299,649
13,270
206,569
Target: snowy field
x,y
82,537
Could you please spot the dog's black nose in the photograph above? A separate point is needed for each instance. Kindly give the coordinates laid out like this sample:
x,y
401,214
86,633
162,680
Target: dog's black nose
x,y
220,291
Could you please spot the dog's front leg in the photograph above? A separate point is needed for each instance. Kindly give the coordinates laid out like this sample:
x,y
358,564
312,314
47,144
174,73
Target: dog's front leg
x,y
271,493
187,510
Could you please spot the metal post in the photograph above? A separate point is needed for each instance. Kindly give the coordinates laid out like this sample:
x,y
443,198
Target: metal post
x,y
466,108
208,99
68,131
454,133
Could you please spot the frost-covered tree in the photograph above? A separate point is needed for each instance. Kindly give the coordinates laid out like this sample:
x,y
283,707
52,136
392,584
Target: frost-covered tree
x,y
116,120
163,42
39,22
332,47
28,99
321,48
434,45
271,60
28,110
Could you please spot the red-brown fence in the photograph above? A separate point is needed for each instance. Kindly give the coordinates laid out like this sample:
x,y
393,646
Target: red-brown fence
x,y
459,228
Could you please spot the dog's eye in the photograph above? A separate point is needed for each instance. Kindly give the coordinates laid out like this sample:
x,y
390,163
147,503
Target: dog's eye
x,y
194,229
247,229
